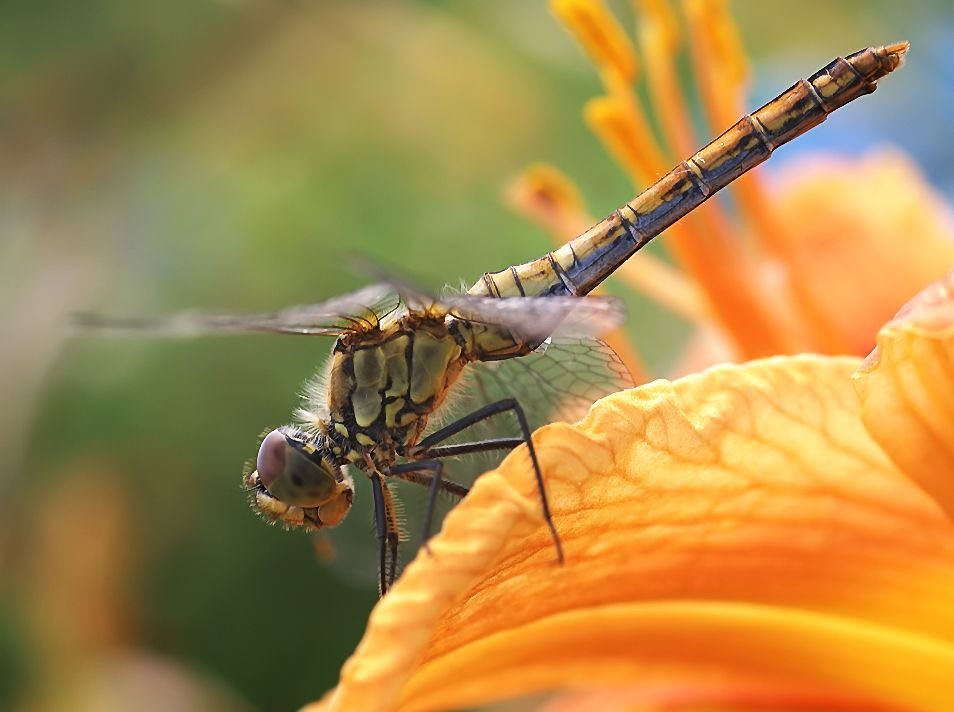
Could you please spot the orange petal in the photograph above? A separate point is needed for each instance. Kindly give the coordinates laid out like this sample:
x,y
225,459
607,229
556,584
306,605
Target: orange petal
x,y
697,694
907,390
875,220
706,346
738,522
669,640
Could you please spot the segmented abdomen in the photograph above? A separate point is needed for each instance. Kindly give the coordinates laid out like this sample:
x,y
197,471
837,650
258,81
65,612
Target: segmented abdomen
x,y
581,264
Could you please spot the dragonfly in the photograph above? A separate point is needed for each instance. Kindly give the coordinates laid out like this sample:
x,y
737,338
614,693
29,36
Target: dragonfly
x,y
399,354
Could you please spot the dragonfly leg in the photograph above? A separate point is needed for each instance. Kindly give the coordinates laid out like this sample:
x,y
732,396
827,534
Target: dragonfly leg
x,y
413,472
392,556
477,446
419,477
454,489
387,532
436,468
425,450
380,527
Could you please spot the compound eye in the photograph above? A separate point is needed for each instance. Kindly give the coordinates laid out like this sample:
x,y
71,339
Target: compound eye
x,y
291,476
270,462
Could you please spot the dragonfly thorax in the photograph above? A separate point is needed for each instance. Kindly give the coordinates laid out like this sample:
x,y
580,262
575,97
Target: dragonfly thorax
x,y
381,387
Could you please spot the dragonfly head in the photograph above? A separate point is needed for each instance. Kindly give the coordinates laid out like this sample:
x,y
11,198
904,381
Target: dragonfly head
x,y
297,482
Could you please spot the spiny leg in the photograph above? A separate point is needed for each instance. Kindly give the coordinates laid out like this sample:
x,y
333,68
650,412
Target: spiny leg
x,y
380,527
477,446
454,489
393,540
436,469
393,534
424,449
387,531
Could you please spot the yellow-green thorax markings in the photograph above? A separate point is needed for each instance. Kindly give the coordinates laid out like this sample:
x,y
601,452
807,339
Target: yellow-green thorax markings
x,y
386,381
383,384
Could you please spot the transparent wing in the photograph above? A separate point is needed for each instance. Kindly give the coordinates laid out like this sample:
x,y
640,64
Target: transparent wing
x,y
356,311
536,318
557,382
533,318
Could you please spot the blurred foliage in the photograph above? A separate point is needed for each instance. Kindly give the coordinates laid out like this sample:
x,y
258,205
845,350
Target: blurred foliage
x,y
234,155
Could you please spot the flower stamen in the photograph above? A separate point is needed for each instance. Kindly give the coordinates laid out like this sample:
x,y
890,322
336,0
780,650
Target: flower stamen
x,y
659,38
600,35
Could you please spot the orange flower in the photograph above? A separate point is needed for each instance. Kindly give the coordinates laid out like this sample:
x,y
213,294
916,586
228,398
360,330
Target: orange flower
x,y
769,278
885,221
737,538
776,535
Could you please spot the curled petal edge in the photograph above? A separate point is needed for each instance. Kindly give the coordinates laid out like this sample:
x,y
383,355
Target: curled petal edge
x,y
906,387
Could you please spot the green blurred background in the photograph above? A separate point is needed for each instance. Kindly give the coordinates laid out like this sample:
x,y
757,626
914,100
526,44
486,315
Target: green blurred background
x,y
233,155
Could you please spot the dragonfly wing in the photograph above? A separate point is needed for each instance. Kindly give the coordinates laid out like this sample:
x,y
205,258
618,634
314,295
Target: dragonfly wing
x,y
557,382
536,318
355,311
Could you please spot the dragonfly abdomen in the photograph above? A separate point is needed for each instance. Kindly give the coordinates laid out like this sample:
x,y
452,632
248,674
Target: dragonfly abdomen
x,y
580,265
